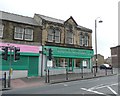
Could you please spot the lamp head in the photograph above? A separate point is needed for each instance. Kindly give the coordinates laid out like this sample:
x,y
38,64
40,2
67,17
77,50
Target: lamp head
x,y
100,21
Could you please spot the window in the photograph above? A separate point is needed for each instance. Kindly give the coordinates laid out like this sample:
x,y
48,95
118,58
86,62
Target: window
x,y
19,32
23,33
50,34
57,36
54,34
81,40
59,62
28,34
86,40
1,30
69,36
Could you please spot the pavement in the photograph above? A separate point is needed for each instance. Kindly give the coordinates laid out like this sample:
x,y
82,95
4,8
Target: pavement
x,y
40,81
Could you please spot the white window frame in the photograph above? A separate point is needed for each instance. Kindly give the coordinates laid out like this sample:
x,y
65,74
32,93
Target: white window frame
x,y
57,36
1,30
86,40
81,40
15,32
52,34
69,37
31,35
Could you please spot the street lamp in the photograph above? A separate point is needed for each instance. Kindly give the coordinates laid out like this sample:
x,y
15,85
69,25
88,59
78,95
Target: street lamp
x,y
100,21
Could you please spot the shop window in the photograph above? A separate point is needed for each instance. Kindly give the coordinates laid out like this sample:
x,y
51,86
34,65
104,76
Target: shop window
x,y
59,62
1,30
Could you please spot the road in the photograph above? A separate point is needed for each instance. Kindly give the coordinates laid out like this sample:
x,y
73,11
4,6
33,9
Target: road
x,y
103,85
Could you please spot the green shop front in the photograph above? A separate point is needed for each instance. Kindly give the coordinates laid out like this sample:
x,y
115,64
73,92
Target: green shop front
x,y
70,58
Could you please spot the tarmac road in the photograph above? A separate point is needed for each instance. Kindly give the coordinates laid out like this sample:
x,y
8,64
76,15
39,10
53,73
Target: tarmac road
x,y
103,85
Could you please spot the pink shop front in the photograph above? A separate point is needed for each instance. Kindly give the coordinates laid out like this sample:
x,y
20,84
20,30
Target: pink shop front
x,y
27,66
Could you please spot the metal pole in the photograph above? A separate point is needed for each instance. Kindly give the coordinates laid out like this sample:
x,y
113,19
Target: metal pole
x,y
46,70
5,80
9,78
48,76
96,44
66,73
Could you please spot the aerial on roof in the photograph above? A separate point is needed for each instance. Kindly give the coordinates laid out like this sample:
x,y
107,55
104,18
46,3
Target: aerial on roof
x,y
17,18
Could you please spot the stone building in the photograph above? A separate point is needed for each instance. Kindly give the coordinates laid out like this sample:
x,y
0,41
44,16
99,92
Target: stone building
x,y
71,44
100,59
25,33
115,56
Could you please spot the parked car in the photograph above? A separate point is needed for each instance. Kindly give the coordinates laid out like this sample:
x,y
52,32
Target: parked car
x,y
105,66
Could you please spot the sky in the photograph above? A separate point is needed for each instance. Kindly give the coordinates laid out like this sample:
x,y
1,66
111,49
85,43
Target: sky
x,y
84,12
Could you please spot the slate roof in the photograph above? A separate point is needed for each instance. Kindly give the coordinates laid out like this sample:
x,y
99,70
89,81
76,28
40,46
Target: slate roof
x,y
47,18
60,21
17,18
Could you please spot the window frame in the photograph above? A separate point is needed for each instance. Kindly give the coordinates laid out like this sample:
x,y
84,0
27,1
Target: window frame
x,y
28,34
22,33
52,34
2,30
59,35
69,30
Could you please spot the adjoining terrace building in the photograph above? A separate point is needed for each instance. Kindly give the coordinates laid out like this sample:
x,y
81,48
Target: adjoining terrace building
x,y
24,32
71,44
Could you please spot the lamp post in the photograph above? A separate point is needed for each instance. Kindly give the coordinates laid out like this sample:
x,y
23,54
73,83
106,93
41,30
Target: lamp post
x,y
96,59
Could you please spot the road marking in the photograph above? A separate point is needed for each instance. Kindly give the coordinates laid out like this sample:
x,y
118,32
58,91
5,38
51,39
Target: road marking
x,y
99,87
89,90
65,85
111,89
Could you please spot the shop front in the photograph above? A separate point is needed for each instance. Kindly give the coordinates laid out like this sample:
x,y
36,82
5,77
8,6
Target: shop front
x,y
68,58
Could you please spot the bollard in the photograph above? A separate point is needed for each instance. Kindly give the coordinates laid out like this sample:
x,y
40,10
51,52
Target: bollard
x,y
4,80
94,72
48,76
45,75
66,74
112,71
82,72
105,71
9,81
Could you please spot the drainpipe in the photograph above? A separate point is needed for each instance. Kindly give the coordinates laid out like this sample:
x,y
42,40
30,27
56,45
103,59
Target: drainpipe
x,y
42,62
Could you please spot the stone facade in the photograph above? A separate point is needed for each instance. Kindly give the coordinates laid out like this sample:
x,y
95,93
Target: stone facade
x,y
62,26
8,33
100,59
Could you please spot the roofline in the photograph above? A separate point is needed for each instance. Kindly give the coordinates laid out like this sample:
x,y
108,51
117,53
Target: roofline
x,y
115,47
19,16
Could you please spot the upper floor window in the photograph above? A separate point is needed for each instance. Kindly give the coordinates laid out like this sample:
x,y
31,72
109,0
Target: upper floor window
x,y
19,33
57,35
1,30
28,34
69,35
54,35
81,39
23,33
86,40
50,34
